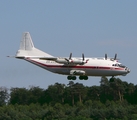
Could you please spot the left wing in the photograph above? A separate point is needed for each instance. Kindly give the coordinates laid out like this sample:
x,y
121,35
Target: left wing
x,y
62,60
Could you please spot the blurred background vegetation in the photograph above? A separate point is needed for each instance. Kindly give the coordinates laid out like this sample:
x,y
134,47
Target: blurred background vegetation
x,y
114,99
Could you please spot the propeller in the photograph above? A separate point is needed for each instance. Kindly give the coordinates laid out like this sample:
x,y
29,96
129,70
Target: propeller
x,y
69,60
105,56
115,57
83,58
70,56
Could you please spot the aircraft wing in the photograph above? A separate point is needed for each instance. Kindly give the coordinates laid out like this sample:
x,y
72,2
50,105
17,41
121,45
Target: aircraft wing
x,y
61,60
48,58
56,59
35,57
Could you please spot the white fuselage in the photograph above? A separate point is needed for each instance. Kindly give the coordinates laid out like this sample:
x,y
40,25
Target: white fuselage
x,y
82,67
94,67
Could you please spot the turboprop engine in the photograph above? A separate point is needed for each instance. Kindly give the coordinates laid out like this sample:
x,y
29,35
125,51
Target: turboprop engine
x,y
72,61
76,60
61,60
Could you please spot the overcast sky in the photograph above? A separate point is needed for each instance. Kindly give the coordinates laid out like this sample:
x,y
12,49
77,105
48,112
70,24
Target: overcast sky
x,y
58,27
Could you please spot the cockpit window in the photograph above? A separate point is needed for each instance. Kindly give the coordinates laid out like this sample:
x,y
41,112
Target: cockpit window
x,y
119,65
123,66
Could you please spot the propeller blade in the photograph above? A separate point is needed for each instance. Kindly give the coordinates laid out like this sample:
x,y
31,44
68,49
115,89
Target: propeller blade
x,y
105,56
66,59
115,57
83,56
70,56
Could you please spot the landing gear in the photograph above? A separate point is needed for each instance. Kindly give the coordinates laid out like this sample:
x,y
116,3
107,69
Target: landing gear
x,y
83,77
80,77
71,78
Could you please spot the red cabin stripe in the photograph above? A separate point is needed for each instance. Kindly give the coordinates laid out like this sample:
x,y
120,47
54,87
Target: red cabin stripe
x,y
65,66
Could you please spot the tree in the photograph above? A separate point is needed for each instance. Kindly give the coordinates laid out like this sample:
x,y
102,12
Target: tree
x,y
60,91
129,93
93,93
55,93
19,96
3,96
117,89
105,90
69,91
36,95
79,90
135,95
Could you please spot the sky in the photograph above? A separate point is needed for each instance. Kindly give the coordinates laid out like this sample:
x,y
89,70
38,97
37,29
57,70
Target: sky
x,y
59,27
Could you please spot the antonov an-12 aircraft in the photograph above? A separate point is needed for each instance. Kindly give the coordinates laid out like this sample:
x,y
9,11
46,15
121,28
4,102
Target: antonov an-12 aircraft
x,y
70,66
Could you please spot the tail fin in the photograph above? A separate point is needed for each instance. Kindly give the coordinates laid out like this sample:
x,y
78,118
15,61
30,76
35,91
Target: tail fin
x,y
26,42
27,48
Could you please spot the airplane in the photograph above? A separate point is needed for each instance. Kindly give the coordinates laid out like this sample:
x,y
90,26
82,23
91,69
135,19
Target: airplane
x,y
70,66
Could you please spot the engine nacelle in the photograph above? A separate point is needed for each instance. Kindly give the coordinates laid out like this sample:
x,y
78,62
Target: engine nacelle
x,y
61,60
77,72
70,61
78,61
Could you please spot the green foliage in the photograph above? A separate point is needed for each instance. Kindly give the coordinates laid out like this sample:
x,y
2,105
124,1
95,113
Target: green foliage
x,y
3,96
19,96
112,100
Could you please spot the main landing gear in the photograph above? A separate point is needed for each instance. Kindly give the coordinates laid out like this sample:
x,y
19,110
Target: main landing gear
x,y
71,77
80,77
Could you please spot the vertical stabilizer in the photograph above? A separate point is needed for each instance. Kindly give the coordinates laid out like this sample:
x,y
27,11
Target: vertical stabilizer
x,y
26,42
27,48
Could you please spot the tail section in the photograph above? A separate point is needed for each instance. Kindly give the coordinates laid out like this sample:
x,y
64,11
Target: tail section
x,y
26,42
27,48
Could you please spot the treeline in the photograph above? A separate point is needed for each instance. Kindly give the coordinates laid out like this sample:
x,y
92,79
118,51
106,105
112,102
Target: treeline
x,y
114,99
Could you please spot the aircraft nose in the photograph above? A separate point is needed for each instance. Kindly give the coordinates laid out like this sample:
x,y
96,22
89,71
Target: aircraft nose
x,y
128,70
